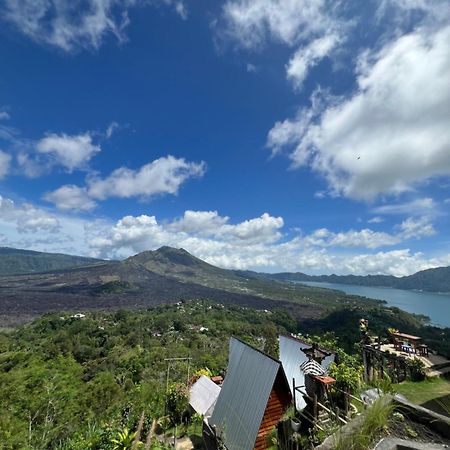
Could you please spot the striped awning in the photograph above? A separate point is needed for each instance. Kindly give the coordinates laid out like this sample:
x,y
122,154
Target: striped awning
x,y
312,367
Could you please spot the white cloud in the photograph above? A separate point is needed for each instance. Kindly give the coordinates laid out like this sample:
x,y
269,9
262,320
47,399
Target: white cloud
x,y
204,222
392,134
32,165
309,56
5,161
4,115
396,262
260,244
180,8
364,238
211,237
70,198
416,228
402,11
250,23
316,27
162,176
71,152
376,219
70,25
257,243
112,127
26,217
418,206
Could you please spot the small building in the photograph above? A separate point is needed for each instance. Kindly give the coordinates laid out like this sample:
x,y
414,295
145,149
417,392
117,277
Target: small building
x,y
203,395
294,358
253,398
79,316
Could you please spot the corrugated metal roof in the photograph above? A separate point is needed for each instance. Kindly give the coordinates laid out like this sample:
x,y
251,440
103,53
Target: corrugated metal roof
x,y
243,399
203,395
292,357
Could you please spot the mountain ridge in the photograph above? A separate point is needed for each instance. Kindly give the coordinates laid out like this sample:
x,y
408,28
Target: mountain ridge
x,y
166,275
14,261
431,280
185,267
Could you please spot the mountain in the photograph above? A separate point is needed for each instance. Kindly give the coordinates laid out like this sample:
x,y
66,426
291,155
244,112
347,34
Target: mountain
x,y
431,280
166,275
14,261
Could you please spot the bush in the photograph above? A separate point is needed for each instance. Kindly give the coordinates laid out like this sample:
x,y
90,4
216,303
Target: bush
x,y
177,401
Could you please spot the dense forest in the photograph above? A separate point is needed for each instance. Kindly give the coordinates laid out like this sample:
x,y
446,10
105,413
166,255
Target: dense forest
x,y
75,382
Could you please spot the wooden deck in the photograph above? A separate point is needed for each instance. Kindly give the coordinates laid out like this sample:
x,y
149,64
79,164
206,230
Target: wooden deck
x,y
429,361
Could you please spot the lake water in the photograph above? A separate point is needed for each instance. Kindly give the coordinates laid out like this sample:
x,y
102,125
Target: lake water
x,y
435,306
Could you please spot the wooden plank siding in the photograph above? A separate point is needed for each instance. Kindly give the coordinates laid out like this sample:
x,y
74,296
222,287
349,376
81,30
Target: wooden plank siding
x,y
278,402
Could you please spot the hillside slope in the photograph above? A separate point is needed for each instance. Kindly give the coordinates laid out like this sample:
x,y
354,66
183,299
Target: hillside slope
x,y
15,261
166,275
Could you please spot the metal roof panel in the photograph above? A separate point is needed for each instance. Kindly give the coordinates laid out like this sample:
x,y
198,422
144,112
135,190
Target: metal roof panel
x,y
245,392
291,358
203,394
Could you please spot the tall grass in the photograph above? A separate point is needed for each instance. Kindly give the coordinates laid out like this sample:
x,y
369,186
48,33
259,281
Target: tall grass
x,y
374,420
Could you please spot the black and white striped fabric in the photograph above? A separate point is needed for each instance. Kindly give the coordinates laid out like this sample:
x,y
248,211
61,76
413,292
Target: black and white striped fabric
x,y
312,367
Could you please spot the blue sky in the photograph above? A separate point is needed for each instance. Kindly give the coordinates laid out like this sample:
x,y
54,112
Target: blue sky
x,y
296,135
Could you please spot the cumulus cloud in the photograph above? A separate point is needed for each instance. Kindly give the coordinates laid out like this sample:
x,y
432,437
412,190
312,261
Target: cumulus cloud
x,y
26,217
392,133
256,243
71,152
162,176
416,228
70,198
78,23
260,244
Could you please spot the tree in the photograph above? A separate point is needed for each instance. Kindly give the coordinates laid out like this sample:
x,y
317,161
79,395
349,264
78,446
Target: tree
x,y
177,401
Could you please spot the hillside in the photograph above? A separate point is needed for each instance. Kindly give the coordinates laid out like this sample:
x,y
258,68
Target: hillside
x,y
82,380
431,280
166,275
15,261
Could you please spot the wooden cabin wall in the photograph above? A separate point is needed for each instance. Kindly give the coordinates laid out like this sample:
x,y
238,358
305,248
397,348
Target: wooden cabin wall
x,y
279,401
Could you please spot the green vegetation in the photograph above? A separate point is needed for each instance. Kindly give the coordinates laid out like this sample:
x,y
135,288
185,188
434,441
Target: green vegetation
x,y
342,323
373,421
69,383
14,261
424,391
89,383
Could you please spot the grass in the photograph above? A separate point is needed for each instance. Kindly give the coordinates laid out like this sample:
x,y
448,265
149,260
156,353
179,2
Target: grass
x,y
374,420
424,391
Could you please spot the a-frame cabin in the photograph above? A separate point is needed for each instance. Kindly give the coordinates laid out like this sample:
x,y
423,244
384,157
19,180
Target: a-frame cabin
x,y
253,398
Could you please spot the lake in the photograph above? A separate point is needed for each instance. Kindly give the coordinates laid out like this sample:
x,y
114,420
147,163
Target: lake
x,y
435,306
